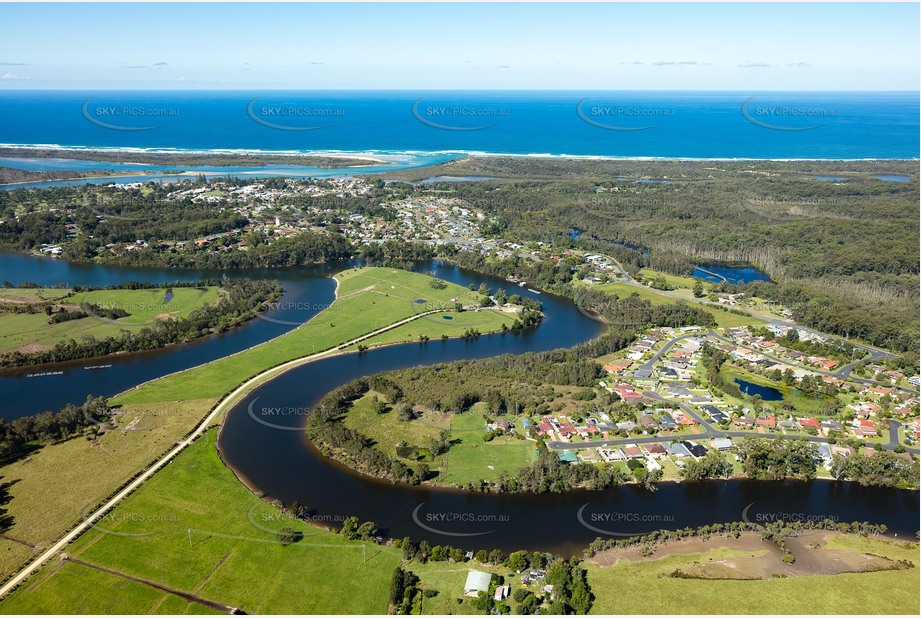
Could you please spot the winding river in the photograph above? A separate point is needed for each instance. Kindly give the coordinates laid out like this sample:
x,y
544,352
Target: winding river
x,y
29,390
274,458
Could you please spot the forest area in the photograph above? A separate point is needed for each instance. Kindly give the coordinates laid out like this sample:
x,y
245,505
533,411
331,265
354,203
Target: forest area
x,y
843,255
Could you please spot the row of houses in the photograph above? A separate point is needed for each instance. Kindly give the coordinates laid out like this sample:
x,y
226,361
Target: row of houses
x,y
652,452
593,427
750,343
860,428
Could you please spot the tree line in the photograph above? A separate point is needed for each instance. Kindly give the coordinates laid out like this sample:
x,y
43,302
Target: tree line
x,y
240,301
22,435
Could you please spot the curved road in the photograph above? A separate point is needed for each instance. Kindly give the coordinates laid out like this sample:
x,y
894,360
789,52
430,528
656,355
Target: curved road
x,y
709,433
843,372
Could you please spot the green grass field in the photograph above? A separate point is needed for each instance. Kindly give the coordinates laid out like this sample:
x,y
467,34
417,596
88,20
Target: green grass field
x,y
724,319
229,559
32,331
53,486
368,299
436,325
676,281
67,592
469,459
32,295
624,290
148,305
387,430
634,587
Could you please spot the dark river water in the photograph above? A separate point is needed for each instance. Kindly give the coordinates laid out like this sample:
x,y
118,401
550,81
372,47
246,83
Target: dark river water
x,y
29,390
278,461
274,458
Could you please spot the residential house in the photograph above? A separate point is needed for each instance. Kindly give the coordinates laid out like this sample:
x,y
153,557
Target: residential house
x,y
809,422
618,366
678,450
611,454
632,451
668,373
567,456
865,429
656,450
697,450
678,392
667,422
567,429
683,419
842,451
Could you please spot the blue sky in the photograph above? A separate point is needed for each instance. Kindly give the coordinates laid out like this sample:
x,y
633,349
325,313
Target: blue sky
x,y
461,46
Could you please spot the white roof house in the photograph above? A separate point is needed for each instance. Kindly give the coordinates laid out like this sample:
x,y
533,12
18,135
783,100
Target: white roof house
x,y
477,581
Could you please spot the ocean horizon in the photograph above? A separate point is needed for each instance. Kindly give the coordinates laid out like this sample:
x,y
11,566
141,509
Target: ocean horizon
x,y
412,126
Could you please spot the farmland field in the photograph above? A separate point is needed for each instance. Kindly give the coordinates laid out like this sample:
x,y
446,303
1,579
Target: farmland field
x,y
31,331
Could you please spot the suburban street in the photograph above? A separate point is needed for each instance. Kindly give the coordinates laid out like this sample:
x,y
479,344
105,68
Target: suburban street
x,y
844,372
709,432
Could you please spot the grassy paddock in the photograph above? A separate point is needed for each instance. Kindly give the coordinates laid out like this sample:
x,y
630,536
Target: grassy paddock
x,y
145,306
434,326
369,299
52,487
676,281
229,560
619,588
32,295
724,319
469,459
68,593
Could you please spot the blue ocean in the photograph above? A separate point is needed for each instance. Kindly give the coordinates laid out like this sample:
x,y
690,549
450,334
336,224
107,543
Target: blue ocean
x,y
432,126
